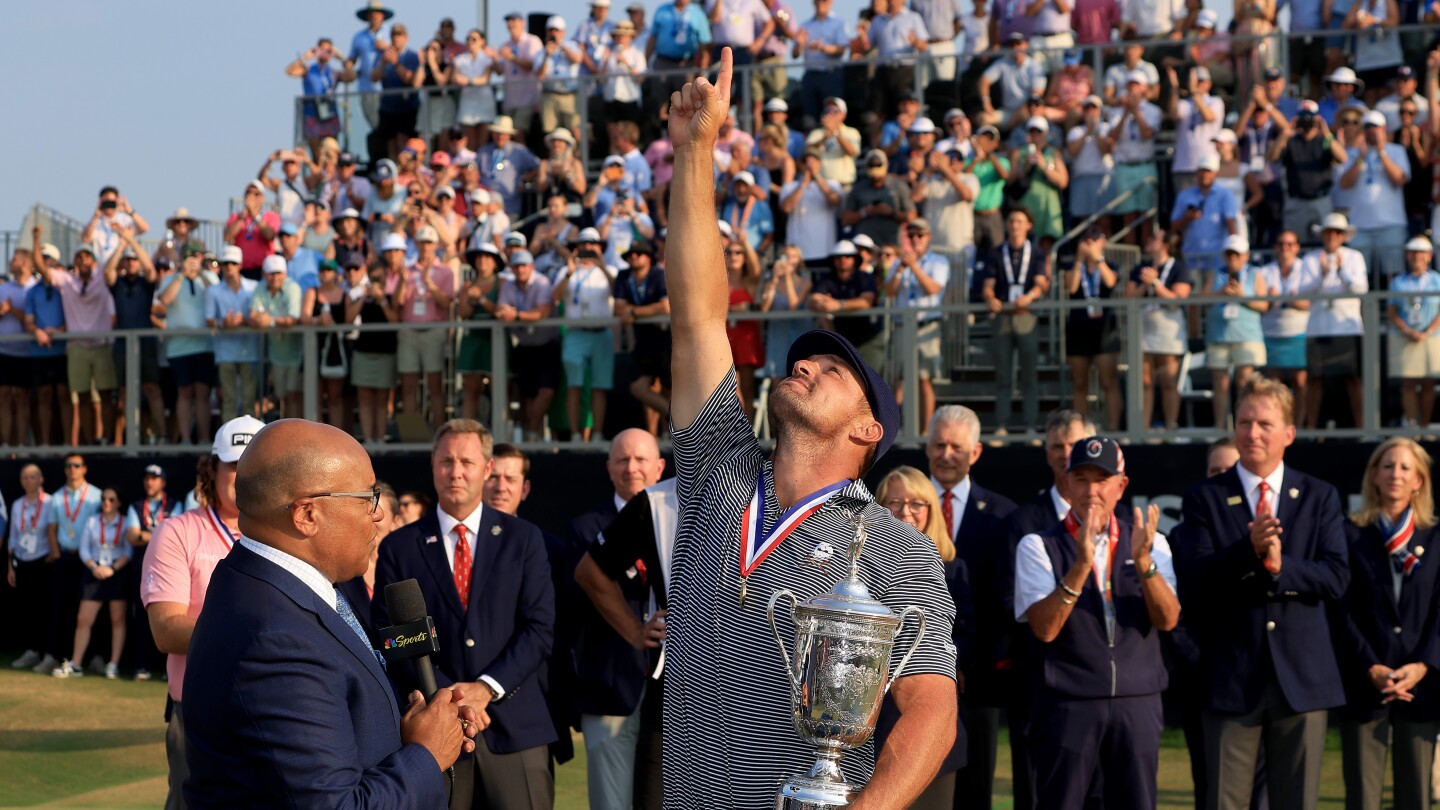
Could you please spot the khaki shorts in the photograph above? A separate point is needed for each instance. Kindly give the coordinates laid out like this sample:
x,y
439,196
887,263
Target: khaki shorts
x,y
558,110
769,82
1414,360
1220,356
287,379
85,364
420,351
927,343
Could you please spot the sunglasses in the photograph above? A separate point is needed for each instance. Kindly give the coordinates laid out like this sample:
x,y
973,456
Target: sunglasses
x,y
71,465
735,252
1407,112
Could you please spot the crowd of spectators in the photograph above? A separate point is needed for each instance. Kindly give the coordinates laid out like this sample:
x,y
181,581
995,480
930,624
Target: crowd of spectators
x,y
928,154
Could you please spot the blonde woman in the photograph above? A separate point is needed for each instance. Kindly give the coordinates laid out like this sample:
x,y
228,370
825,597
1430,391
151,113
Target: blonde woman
x,y
1386,634
910,496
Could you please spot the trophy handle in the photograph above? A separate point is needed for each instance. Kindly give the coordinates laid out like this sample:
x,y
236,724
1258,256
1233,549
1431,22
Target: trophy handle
x,y
919,634
790,667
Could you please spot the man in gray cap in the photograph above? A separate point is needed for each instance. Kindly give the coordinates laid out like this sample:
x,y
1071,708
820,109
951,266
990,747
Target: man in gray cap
x,y
878,203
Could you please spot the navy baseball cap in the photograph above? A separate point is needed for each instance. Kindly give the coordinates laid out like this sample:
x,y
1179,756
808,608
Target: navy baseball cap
x,y
1097,451
155,470
882,400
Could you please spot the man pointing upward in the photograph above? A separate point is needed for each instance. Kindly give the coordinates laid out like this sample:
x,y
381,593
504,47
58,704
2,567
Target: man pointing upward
x,y
751,525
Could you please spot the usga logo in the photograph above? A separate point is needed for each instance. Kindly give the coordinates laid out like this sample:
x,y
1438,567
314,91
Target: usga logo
x,y
401,641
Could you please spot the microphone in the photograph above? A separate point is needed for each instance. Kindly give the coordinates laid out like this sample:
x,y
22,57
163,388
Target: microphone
x,y
413,636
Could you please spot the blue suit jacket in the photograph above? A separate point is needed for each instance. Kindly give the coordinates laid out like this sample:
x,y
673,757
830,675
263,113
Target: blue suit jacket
x,y
981,545
1242,617
285,707
506,633
609,673
1371,627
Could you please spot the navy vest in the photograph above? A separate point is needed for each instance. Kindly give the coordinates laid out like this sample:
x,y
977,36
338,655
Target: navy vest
x,y
1080,662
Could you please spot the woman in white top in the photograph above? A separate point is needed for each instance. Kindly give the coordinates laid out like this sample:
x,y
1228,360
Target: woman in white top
x,y
472,71
586,291
626,66
105,553
1285,323
1232,174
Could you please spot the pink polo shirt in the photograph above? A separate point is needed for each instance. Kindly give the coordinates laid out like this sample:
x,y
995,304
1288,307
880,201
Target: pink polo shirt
x,y
182,556
418,306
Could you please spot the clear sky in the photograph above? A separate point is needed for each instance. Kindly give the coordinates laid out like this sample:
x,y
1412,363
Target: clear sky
x,y
178,103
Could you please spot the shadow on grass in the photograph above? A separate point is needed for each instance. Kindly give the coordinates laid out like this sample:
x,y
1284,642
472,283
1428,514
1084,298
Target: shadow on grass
x,y
48,741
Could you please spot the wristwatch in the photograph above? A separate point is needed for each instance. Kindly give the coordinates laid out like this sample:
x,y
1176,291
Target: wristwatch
x,y
494,695
1151,572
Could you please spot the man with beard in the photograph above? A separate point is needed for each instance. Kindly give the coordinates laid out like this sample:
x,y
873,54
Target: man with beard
x,y
833,417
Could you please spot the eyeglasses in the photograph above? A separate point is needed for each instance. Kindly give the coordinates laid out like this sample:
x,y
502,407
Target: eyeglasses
x,y
373,496
74,465
900,507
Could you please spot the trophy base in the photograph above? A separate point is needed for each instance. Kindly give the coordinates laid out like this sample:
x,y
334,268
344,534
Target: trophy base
x,y
806,793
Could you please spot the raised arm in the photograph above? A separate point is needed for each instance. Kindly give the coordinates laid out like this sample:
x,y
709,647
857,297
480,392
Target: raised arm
x,y
699,289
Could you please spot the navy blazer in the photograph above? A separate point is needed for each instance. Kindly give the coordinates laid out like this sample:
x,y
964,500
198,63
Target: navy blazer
x,y
359,598
1241,616
508,630
609,673
980,544
285,707
1372,628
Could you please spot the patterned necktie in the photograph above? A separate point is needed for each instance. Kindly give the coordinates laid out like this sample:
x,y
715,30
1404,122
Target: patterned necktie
x,y
1262,510
1397,541
463,564
342,606
947,508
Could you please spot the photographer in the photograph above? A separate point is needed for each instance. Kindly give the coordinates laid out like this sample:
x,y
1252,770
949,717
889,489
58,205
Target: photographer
x,y
1308,152
372,369
586,290
558,71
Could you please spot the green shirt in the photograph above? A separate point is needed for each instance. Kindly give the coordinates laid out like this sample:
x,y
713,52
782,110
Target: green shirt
x,y
992,187
285,347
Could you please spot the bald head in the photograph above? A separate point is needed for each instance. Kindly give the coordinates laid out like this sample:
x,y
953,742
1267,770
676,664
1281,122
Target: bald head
x,y
635,462
287,463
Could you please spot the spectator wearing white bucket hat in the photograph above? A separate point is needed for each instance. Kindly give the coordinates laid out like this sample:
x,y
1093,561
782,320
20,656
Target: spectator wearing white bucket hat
x,y
1344,92
1374,182
1413,342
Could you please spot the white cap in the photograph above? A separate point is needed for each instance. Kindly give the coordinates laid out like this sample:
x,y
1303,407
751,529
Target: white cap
x,y
589,235
863,242
230,254
1235,243
922,126
1207,18
776,105
1208,163
1419,244
1342,75
726,231
1335,221
844,248
49,251
745,177
516,238
480,196
1137,77
556,22
274,263
1374,118
1202,74
1038,122
838,103
393,241
427,234
234,437
1226,135
561,134
613,160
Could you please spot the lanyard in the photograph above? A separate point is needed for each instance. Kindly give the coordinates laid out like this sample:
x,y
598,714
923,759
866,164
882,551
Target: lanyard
x,y
755,545
34,516
577,283
1089,282
226,536
65,497
1024,266
1165,269
1072,525
119,525
637,294
147,519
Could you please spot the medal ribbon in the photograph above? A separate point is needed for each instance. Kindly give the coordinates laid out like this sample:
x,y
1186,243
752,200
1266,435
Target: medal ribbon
x,y
1397,541
119,527
148,521
65,496
226,536
755,546
34,516
1072,525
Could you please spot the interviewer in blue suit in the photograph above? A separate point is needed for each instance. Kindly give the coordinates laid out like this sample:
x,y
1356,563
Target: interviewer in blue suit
x,y
1387,634
486,580
290,705
1264,549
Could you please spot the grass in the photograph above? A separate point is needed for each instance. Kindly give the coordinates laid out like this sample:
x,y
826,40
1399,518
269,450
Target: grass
x,y
101,744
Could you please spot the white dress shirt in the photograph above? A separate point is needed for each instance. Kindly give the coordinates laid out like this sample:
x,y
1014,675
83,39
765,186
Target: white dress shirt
x,y
1062,506
303,571
961,493
450,538
1036,578
1250,482
1326,274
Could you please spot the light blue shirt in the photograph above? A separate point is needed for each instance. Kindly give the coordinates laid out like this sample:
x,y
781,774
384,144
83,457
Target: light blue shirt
x,y
81,506
594,37
1418,311
939,16
109,548
829,30
1205,237
894,35
1234,323
304,268
912,295
760,224
220,301
29,529
187,311
362,50
308,574
739,19
680,33
560,72
637,171
375,205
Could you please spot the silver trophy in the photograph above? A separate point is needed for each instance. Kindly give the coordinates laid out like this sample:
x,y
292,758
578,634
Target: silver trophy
x,y
839,675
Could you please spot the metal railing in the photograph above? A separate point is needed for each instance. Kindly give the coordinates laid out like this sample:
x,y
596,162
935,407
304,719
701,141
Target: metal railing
x,y
1128,310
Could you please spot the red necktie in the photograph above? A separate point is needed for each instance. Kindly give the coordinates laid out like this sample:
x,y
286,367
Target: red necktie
x,y
947,508
1262,510
463,564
